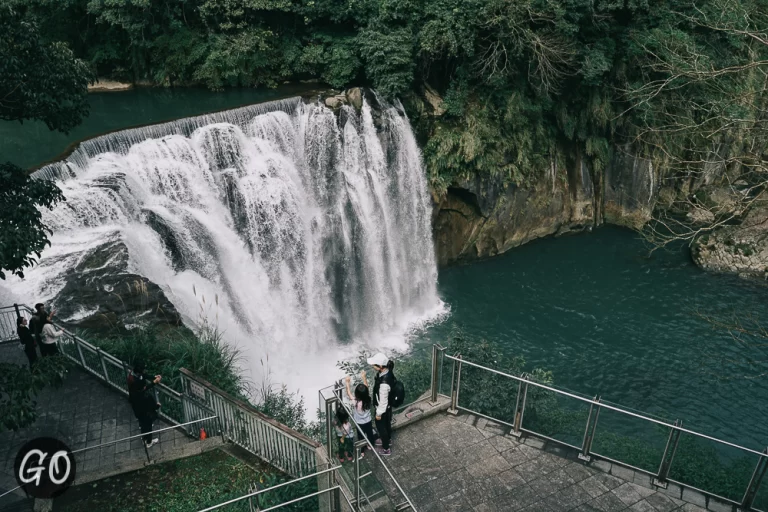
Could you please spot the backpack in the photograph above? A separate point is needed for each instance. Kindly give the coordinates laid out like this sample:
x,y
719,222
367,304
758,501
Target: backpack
x,y
398,394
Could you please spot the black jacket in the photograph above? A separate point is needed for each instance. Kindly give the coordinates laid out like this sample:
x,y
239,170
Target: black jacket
x,y
26,338
36,327
141,395
389,379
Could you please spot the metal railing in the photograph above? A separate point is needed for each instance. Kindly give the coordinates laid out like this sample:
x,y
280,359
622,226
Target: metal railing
x,y
662,471
371,471
336,491
204,421
268,439
102,365
8,316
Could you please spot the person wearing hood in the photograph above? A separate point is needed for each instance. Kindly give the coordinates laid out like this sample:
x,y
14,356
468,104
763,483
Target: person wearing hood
x,y
382,387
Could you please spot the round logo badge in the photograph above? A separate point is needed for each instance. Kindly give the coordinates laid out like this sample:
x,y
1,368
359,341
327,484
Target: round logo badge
x,y
44,467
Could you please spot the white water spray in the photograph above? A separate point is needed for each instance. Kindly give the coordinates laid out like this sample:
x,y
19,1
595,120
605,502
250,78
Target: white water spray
x,y
311,228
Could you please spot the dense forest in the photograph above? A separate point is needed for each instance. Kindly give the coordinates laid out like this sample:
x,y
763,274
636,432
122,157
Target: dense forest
x,y
523,83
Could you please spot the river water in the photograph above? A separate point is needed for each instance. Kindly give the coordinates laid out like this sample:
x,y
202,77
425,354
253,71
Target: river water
x,y
593,308
608,320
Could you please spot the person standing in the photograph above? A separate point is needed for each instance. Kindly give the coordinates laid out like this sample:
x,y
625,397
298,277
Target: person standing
x,y
345,434
361,410
36,324
27,340
143,400
50,333
383,384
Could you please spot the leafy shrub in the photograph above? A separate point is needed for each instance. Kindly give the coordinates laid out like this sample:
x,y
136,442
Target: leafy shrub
x,y
19,387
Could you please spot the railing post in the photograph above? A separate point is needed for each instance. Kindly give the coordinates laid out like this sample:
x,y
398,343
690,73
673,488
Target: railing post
x,y
16,307
454,409
589,430
329,426
80,351
666,462
336,496
754,482
435,381
522,395
358,446
103,365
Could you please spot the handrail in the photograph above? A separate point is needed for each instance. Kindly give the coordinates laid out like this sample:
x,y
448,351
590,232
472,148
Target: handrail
x,y
262,491
660,477
311,443
605,405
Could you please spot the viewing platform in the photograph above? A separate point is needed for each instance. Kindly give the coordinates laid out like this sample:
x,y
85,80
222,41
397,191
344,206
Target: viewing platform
x,y
468,463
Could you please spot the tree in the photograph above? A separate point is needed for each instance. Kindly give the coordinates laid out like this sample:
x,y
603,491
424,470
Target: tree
x,y
38,81
700,108
19,388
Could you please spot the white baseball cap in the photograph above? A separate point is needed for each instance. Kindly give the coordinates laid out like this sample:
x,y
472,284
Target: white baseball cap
x,y
378,360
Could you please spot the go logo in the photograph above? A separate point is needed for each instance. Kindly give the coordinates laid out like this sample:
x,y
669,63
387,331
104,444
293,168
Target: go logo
x,y
44,468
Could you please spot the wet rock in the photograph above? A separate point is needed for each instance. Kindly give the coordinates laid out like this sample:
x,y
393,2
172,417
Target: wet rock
x,y
336,102
101,293
484,217
355,97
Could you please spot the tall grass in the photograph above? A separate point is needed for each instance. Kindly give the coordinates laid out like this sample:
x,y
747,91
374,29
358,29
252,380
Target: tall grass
x,y
165,351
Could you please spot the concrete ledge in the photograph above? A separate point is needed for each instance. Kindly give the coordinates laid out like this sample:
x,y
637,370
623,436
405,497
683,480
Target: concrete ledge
x,y
419,410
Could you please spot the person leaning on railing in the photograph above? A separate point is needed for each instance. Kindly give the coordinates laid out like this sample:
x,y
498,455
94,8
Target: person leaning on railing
x,y
50,333
361,409
143,400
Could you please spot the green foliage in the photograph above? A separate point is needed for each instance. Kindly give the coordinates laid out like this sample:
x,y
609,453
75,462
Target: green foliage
x,y
205,354
191,483
39,80
21,231
388,58
19,387
523,82
208,356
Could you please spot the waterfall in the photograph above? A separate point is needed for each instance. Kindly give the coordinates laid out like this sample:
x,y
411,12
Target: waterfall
x,y
311,228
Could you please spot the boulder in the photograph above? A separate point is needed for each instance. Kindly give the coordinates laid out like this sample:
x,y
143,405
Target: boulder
x,y
355,97
106,85
336,102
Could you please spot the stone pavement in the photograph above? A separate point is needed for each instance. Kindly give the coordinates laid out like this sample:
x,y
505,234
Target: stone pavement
x,y
466,463
83,412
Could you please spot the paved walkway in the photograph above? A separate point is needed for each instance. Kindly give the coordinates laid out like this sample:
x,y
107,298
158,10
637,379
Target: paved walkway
x,y
83,412
466,463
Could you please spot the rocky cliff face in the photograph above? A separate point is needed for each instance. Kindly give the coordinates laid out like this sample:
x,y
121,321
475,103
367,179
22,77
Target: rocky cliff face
x,y
741,249
483,218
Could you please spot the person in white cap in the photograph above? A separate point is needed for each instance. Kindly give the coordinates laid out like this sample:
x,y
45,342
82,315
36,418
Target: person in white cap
x,y
382,386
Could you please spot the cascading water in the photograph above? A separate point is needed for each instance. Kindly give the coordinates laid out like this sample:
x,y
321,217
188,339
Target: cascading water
x,y
312,228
